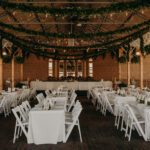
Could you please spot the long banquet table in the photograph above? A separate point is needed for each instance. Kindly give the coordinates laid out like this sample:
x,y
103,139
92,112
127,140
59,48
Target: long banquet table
x,y
41,85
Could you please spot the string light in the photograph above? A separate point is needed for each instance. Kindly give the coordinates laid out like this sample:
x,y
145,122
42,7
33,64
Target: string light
x,y
142,11
111,15
126,13
46,15
14,13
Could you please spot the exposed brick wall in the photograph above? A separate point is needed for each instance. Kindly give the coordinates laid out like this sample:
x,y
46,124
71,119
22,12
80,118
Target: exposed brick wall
x,y
106,68
35,68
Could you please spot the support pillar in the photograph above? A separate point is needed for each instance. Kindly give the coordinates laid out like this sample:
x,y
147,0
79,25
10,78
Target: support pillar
x,y
84,68
141,71
21,72
129,73
13,73
1,65
1,74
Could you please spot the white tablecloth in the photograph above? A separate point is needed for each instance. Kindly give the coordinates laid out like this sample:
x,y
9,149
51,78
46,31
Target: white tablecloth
x,y
46,127
122,100
39,85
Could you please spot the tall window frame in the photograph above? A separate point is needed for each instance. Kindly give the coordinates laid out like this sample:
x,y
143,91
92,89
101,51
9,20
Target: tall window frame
x,y
50,67
90,67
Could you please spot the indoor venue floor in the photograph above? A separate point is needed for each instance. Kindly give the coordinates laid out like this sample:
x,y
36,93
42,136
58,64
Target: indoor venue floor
x,y
98,133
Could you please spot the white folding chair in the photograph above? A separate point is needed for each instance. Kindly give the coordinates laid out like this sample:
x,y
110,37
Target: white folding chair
x,y
118,115
73,119
47,92
5,105
134,121
32,94
106,105
72,101
21,123
26,106
40,97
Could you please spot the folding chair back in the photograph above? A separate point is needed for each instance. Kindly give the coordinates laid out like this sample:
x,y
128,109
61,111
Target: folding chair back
x,y
40,97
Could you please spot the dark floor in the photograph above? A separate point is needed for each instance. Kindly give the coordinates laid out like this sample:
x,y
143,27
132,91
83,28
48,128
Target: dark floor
x,y
98,133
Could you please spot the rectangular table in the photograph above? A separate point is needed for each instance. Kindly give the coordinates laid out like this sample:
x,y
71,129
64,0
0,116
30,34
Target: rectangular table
x,y
46,127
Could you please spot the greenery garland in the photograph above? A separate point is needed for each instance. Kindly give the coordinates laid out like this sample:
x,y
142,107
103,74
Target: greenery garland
x,y
83,35
34,45
19,59
116,7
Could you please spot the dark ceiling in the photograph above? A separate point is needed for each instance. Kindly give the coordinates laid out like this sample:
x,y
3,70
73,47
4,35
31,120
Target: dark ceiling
x,y
68,24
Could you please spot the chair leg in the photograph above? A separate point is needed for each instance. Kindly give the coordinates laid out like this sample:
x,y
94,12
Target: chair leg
x,y
79,131
118,121
14,139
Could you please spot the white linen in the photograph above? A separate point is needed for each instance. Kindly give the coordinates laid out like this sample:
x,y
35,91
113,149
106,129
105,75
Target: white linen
x,y
46,127
39,85
120,101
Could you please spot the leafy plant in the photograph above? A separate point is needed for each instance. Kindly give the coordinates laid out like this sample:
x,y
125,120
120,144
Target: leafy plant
x,y
135,59
6,59
122,59
19,59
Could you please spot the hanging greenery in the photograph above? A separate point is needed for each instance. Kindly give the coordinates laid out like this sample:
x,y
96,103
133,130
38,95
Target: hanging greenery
x,y
19,59
6,59
35,45
122,59
115,7
83,35
135,59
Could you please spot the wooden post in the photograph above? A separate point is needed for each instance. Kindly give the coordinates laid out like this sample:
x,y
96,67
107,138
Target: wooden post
x,y
65,68
57,68
141,71
119,65
13,73
1,65
76,68
128,71
21,72
84,68
1,74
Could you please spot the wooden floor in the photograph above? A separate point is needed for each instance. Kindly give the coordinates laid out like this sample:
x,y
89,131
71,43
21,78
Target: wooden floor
x,y
98,133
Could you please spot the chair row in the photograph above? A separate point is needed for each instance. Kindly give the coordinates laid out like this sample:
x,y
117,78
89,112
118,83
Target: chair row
x,y
129,121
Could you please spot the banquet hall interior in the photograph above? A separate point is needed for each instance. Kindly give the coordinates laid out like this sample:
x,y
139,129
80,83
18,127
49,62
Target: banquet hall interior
x,y
74,74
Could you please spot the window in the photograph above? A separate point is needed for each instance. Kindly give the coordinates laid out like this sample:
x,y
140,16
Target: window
x,y
50,67
61,68
71,68
80,68
90,67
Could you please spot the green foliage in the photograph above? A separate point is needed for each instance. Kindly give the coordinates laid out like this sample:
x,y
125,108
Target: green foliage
x,y
6,59
19,59
135,59
122,59
115,7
